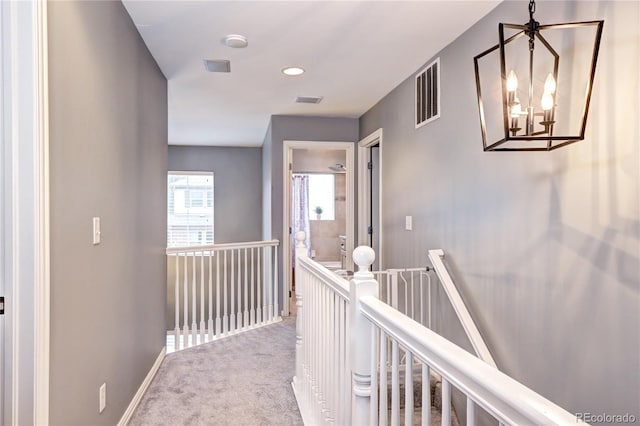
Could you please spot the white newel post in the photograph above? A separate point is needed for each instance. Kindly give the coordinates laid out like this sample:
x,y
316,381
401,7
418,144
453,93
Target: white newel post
x,y
363,284
301,252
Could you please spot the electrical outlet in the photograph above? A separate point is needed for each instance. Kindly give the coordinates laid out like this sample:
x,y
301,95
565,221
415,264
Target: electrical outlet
x,y
103,397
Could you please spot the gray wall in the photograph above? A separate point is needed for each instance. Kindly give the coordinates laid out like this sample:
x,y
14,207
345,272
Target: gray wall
x,y
295,128
545,247
108,141
237,187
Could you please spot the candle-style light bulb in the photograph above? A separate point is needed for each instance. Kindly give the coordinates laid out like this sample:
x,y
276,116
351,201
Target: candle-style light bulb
x,y
512,81
550,84
547,101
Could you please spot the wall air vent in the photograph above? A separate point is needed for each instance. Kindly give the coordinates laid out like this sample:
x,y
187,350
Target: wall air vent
x,y
428,94
217,65
308,99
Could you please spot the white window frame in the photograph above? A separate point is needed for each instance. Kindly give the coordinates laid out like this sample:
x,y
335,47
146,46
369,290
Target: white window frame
x,y
205,205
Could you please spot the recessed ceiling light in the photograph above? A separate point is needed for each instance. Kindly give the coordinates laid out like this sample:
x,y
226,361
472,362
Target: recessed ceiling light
x,y
292,70
236,41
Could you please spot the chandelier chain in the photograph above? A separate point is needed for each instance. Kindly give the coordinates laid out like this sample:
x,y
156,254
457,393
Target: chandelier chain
x,y
532,8
533,24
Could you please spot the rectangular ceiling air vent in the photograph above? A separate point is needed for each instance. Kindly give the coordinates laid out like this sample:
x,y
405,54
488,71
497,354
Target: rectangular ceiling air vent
x,y
428,94
217,65
308,99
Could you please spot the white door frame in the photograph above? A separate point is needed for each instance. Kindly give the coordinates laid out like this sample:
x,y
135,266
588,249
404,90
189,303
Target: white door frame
x,y
364,192
25,210
287,158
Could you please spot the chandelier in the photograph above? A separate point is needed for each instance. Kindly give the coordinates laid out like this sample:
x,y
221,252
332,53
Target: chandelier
x,y
528,98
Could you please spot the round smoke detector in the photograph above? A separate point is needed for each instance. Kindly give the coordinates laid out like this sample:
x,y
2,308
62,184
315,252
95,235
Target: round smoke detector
x,y
236,41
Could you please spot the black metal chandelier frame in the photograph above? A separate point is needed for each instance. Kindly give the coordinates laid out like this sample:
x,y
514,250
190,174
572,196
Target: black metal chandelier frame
x,y
533,30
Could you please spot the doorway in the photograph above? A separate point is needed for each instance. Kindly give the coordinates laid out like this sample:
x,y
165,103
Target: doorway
x,y
370,195
329,171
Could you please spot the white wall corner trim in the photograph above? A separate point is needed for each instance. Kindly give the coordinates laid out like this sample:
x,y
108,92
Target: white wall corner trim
x,y
26,210
142,389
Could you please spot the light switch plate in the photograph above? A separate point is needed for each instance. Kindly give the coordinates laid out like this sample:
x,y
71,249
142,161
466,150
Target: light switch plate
x,y
103,396
408,223
96,230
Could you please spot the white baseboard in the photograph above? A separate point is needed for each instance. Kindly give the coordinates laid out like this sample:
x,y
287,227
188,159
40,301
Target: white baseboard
x,y
307,415
142,389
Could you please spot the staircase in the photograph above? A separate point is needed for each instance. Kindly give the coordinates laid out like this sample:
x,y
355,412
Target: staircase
x,y
352,348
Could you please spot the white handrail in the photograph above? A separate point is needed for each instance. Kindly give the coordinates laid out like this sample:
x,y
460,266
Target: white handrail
x,y
507,400
478,343
336,283
225,246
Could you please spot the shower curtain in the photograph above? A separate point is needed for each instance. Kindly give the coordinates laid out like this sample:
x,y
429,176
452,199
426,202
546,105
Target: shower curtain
x,y
300,212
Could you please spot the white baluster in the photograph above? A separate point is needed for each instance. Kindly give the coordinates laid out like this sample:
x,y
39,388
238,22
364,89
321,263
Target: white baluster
x,y
383,380
422,310
276,312
426,395
210,323
446,402
408,389
471,412
218,325
225,299
232,319
246,291
361,285
176,344
185,313
300,251
259,289
429,300
202,330
239,324
343,366
374,375
395,385
268,284
252,313
194,324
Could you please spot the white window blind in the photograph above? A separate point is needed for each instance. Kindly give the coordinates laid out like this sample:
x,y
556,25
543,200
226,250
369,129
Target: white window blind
x,y
189,209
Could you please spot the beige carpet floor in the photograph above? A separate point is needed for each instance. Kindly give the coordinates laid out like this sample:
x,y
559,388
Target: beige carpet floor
x,y
239,380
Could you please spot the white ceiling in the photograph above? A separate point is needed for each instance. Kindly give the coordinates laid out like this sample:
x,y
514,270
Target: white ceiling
x,y
354,53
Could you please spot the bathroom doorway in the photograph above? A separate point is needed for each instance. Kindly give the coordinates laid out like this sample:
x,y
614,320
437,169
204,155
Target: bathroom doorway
x,y
319,199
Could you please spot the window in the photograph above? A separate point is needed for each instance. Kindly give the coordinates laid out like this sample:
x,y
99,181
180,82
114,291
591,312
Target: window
x,y
189,209
322,194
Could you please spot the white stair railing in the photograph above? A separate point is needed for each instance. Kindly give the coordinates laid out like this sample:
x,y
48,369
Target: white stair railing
x,y
322,384
508,401
342,370
222,289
